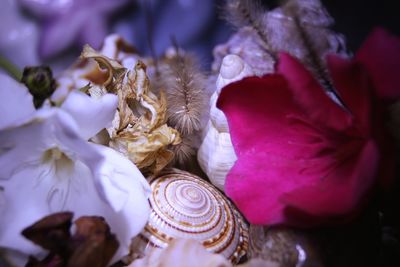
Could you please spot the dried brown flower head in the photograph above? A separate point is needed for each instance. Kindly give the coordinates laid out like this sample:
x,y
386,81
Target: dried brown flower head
x,y
139,129
92,244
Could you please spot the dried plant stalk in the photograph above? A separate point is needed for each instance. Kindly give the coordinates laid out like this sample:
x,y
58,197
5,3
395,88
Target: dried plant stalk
x,y
314,60
184,151
241,13
186,96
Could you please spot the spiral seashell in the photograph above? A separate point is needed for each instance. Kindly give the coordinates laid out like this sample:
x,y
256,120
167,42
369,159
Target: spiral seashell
x,y
233,68
181,253
216,155
185,206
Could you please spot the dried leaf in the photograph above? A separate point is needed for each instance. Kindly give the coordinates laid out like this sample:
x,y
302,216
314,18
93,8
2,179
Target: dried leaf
x,y
114,68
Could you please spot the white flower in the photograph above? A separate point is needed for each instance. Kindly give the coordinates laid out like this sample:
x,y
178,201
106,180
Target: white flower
x,y
47,165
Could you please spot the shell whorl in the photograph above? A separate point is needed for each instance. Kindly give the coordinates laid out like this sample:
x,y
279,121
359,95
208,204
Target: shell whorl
x,y
233,68
185,206
216,155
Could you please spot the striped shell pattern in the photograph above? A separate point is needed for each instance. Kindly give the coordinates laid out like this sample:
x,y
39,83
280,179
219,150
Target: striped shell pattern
x,y
185,206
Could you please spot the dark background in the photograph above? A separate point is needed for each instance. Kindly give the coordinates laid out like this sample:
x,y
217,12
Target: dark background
x,y
356,18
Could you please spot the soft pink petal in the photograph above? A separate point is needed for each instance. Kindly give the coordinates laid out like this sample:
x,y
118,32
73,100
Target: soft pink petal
x,y
380,54
354,86
342,192
288,140
265,109
310,94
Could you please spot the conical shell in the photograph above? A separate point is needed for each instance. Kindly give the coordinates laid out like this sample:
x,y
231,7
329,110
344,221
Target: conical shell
x,y
181,253
233,68
186,206
216,155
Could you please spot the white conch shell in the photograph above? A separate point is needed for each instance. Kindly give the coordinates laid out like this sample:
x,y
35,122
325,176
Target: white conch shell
x,y
181,253
186,206
233,68
256,262
216,155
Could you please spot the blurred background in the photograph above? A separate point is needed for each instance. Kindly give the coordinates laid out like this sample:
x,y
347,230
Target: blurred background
x,y
52,32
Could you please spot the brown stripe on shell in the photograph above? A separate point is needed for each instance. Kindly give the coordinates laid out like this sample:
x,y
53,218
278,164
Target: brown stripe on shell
x,y
215,222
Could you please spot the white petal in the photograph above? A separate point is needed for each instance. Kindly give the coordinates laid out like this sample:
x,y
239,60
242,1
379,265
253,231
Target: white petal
x,y
2,201
92,115
16,102
126,190
95,181
37,192
25,200
23,146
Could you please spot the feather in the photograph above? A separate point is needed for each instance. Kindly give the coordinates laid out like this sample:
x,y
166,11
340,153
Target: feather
x,y
186,94
241,13
184,151
313,59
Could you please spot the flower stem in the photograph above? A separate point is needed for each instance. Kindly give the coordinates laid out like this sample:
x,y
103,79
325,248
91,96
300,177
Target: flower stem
x,y
10,68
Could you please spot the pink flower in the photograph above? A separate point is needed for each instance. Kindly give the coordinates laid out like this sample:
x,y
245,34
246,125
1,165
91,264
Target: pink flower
x,y
303,159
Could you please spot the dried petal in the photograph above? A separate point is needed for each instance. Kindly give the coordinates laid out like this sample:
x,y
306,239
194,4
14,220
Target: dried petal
x,y
139,129
91,245
94,243
51,232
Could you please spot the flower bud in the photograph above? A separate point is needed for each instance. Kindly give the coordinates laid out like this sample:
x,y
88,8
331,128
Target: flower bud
x,y
40,83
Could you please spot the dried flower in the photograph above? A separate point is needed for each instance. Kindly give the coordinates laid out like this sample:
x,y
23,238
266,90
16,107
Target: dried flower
x,y
92,244
139,128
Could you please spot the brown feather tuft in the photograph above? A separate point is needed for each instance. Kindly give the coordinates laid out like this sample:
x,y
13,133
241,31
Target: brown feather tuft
x,y
241,13
186,94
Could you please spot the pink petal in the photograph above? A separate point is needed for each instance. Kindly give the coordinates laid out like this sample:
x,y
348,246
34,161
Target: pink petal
x,y
256,109
309,93
341,193
380,54
353,84
269,111
294,142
